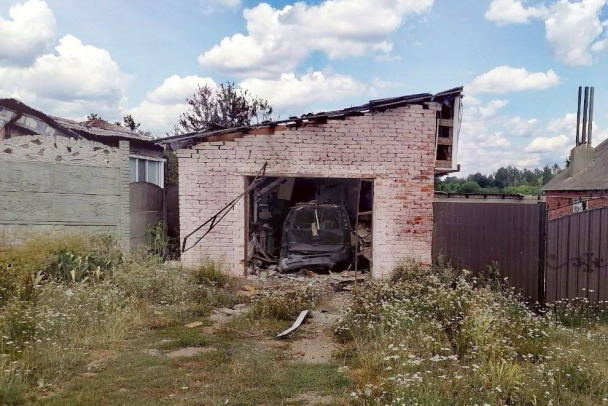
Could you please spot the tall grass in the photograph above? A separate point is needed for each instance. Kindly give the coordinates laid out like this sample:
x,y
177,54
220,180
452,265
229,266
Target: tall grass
x,y
434,336
63,297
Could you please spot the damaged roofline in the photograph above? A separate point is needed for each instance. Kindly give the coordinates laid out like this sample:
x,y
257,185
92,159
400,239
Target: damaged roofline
x,y
21,108
371,106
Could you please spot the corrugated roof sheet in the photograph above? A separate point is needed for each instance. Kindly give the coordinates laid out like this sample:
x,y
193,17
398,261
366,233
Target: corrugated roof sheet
x,y
594,177
94,128
100,128
372,105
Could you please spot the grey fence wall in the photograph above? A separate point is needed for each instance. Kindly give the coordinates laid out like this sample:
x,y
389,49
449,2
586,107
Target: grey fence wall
x,y
577,256
474,235
60,184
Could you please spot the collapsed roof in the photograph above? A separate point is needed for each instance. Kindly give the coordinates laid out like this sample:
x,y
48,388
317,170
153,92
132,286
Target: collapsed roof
x,y
321,117
98,129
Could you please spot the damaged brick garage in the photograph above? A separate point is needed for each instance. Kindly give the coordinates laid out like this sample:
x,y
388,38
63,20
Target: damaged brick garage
x,y
377,161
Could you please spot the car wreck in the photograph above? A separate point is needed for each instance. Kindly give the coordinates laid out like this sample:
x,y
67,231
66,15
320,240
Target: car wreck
x,y
316,237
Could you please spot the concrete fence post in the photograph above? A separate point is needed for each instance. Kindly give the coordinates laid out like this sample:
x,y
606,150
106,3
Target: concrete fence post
x,y
124,220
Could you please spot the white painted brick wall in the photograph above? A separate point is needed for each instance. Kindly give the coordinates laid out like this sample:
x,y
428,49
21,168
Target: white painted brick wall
x,y
396,148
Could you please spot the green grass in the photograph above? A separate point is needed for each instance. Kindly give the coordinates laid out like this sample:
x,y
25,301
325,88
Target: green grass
x,y
244,372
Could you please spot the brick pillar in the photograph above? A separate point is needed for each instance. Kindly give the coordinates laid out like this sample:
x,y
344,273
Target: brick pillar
x,y
124,219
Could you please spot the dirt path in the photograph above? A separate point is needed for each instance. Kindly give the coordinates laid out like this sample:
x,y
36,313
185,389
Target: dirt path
x,y
314,342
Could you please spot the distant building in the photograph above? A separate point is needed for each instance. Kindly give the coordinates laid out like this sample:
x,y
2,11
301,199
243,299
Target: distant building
x,y
583,185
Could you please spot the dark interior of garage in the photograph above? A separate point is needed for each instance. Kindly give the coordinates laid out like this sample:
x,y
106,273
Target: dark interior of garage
x,y
319,224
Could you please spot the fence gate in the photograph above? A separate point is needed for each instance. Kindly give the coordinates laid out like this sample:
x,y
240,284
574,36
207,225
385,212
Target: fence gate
x,y
577,256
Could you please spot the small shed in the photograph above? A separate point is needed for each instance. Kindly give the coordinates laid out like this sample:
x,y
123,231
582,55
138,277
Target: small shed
x,y
377,160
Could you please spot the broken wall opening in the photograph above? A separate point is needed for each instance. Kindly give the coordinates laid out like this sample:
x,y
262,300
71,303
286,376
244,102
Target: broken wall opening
x,y
321,214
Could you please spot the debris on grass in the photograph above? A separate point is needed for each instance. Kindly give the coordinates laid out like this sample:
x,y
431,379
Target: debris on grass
x,y
295,325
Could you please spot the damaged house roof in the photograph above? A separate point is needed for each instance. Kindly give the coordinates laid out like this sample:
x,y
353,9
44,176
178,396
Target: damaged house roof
x,y
593,177
321,117
98,129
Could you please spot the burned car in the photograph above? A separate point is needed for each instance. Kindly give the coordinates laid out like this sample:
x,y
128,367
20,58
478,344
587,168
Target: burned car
x,y
316,236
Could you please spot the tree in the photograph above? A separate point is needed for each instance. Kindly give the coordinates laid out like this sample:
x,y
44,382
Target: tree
x,y
226,106
469,186
130,123
93,116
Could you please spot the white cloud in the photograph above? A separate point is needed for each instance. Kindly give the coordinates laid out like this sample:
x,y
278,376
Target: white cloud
x,y
278,40
75,72
290,92
29,31
490,139
556,144
161,109
572,28
505,79
513,12
176,89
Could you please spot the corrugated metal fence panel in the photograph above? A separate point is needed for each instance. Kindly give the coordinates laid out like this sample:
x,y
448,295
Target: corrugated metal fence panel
x,y
474,235
577,256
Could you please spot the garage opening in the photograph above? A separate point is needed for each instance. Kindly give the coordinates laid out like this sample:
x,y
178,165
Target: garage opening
x,y
315,224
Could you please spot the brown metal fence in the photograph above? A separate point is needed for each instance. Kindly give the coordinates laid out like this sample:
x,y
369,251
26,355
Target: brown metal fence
x,y
577,256
474,235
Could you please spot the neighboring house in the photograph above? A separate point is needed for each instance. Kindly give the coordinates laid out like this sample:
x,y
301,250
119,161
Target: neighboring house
x,y
379,160
583,184
62,175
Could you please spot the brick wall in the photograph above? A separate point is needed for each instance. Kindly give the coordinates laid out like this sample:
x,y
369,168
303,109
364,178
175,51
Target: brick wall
x,y
559,202
396,148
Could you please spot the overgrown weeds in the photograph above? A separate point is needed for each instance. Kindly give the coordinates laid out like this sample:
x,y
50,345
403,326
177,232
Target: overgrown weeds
x,y
65,296
435,336
284,305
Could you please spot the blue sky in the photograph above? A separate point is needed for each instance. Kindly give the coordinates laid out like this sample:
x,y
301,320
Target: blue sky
x,y
520,61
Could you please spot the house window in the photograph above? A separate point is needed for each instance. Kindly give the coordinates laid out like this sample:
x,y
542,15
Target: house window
x,y
142,169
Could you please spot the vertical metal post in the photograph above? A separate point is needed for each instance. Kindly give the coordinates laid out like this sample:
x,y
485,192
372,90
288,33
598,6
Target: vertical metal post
x,y
542,253
585,105
578,116
590,125
357,226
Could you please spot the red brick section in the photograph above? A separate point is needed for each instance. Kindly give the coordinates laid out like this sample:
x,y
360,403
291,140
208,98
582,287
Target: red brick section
x,y
559,202
396,148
